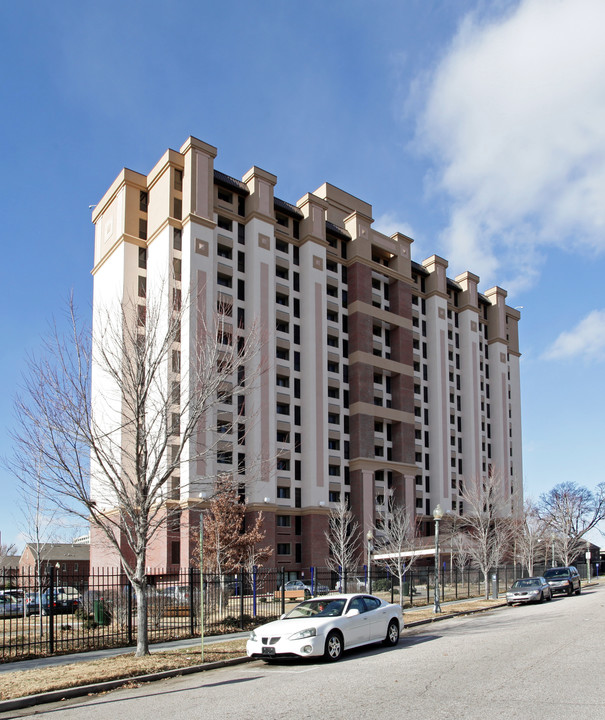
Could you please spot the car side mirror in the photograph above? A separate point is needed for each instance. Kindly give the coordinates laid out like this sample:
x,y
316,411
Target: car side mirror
x,y
352,612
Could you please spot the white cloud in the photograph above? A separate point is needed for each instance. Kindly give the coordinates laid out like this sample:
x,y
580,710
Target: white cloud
x,y
388,224
514,118
586,340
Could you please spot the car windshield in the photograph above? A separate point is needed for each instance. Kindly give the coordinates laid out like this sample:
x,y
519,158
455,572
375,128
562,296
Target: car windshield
x,y
556,572
315,608
526,582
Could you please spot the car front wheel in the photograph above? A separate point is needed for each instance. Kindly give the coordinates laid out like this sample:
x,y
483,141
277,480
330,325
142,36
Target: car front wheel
x,y
392,637
334,647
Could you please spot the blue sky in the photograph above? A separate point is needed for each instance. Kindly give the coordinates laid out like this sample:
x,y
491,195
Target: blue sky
x,y
476,127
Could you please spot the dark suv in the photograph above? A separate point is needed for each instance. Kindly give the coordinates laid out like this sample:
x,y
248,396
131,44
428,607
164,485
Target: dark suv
x,y
564,580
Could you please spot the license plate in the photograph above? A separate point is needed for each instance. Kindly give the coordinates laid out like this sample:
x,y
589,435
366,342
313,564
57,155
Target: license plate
x,y
268,651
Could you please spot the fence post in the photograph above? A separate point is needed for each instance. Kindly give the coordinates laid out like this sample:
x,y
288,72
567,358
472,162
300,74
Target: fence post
x,y
254,572
191,604
241,598
50,613
428,592
283,590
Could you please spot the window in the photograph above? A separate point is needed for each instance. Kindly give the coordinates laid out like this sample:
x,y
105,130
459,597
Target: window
x,y
177,208
177,240
143,229
178,179
284,521
283,493
224,457
142,258
142,291
283,409
224,223
224,280
143,200
334,496
283,464
283,549
225,196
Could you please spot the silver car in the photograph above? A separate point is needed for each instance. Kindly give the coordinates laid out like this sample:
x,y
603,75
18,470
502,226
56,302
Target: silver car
x,y
525,590
10,606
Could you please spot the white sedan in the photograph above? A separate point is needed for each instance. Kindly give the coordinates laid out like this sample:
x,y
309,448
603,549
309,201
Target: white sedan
x,y
326,627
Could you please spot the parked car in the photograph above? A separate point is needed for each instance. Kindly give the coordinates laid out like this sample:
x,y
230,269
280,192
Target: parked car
x,y
65,600
32,603
564,580
10,606
326,627
306,587
526,590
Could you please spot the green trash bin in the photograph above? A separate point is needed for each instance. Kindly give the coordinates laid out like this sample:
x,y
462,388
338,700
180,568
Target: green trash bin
x,y
406,589
101,614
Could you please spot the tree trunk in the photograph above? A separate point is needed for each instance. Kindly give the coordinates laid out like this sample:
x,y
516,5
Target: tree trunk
x,y
139,583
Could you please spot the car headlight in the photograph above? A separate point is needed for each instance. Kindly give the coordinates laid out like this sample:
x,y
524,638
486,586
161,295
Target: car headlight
x,y
253,636
309,632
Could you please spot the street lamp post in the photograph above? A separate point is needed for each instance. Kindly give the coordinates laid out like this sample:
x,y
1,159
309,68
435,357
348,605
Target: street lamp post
x,y
552,540
437,515
369,538
202,498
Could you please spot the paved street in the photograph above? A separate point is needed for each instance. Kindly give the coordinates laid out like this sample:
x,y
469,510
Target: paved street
x,y
521,662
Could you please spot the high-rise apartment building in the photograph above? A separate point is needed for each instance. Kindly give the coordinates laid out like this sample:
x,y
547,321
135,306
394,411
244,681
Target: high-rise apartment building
x,y
387,380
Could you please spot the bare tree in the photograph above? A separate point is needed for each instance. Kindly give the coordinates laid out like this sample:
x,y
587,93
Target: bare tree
x,y
343,541
486,522
530,536
570,511
396,544
8,550
41,520
113,416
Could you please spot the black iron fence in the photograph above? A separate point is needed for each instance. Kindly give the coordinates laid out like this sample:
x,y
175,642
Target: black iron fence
x,y
72,613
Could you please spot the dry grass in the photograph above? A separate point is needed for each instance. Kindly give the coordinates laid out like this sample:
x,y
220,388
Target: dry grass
x,y
30,682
